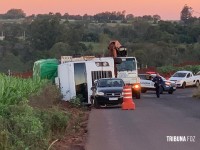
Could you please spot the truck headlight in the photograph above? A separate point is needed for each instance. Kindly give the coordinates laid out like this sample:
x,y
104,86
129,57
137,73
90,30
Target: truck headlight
x,y
136,86
100,93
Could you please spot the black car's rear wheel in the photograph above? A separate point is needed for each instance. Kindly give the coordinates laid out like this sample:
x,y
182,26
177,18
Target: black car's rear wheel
x,y
170,91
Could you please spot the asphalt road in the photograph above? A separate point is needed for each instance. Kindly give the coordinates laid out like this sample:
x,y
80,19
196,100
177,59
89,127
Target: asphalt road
x,y
153,125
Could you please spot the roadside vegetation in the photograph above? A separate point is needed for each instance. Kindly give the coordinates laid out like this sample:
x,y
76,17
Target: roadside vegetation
x,y
32,117
153,41
172,69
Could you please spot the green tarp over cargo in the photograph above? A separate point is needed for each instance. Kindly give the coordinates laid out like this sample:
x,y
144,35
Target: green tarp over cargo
x,y
45,69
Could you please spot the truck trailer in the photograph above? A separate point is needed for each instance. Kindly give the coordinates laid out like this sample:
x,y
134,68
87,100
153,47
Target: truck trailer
x,y
77,76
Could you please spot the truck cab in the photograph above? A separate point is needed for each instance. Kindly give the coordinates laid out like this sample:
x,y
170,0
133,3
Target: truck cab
x,y
127,68
127,71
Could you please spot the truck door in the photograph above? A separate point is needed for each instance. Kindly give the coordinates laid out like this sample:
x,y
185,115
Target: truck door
x,y
80,80
189,79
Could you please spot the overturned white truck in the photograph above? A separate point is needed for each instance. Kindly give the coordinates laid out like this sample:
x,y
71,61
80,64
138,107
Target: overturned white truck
x,y
76,75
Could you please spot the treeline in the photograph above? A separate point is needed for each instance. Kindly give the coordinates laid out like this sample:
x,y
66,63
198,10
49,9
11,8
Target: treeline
x,y
153,42
99,17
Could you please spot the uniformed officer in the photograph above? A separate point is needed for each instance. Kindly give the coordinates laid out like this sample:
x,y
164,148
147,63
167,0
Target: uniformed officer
x,y
158,81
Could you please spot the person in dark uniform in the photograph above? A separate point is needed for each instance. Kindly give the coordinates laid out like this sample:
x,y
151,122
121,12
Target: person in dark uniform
x,y
158,81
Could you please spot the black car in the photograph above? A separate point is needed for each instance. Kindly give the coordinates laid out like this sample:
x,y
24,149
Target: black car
x,y
107,91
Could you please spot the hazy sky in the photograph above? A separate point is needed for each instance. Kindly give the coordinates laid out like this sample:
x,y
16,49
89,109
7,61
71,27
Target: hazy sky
x,y
167,9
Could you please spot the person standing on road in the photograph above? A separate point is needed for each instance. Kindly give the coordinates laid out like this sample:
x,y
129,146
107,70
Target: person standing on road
x,y
158,80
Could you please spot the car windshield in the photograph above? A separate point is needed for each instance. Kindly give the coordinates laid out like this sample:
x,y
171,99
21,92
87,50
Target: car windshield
x,y
179,74
142,76
145,76
110,83
127,64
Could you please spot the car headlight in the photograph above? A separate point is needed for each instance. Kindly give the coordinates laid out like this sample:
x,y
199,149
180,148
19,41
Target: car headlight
x,y
100,93
167,83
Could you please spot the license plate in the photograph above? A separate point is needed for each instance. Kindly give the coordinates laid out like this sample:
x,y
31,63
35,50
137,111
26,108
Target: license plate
x,y
113,98
174,87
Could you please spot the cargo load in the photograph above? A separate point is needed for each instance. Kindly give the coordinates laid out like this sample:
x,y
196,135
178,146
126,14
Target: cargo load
x,y
45,69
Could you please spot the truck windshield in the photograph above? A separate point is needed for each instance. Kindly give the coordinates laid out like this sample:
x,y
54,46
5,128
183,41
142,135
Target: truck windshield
x,y
178,74
128,64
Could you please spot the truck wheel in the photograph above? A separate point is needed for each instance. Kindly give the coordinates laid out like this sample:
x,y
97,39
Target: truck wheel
x,y
96,104
197,84
137,96
183,85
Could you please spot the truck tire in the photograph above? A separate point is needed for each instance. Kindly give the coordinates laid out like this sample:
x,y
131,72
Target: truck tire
x,y
183,85
197,84
137,96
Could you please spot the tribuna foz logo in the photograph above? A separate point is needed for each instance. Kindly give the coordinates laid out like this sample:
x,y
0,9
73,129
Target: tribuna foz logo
x,y
180,138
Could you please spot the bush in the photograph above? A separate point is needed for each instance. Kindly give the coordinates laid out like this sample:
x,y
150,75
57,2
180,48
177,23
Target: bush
x,y
76,101
23,129
166,69
169,69
53,120
23,126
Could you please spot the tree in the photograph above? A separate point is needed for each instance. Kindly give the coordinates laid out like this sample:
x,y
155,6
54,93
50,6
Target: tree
x,y
129,17
60,49
11,62
66,16
15,14
104,40
186,14
156,18
45,31
58,15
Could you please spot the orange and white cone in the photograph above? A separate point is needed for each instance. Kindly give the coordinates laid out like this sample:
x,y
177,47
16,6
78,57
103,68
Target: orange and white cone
x,y
127,98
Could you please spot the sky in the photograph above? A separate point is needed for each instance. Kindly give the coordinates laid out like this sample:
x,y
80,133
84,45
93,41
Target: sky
x,y
167,9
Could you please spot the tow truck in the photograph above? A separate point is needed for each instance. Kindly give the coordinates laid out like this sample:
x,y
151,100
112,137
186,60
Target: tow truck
x,y
125,67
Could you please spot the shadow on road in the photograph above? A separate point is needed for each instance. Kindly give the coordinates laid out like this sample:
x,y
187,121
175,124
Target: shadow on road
x,y
110,107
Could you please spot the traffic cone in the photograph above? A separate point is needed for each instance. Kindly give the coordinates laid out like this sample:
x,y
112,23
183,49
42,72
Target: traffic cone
x,y
127,98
